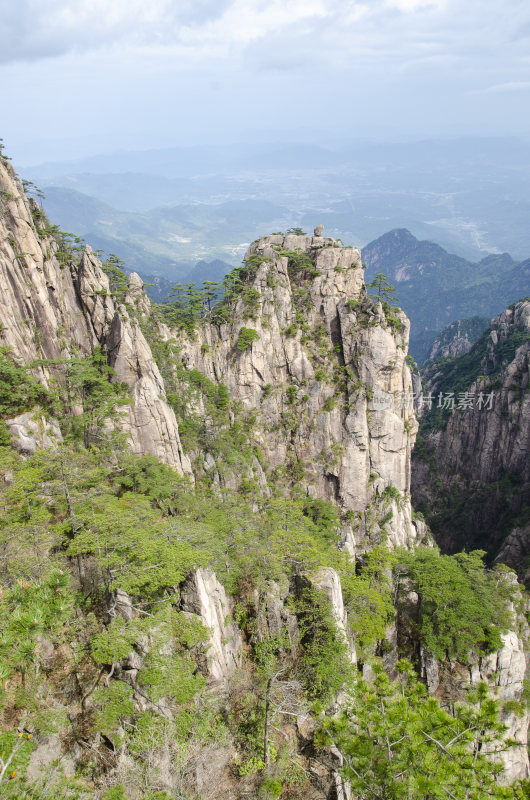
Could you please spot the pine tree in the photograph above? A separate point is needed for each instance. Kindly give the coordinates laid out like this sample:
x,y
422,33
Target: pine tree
x,y
398,743
383,289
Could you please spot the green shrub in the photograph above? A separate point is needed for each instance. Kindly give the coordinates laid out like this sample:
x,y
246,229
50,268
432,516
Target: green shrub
x,y
115,793
323,665
19,391
246,337
391,492
462,607
329,405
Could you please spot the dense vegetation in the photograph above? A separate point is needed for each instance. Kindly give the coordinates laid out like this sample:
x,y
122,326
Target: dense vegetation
x,y
398,743
80,524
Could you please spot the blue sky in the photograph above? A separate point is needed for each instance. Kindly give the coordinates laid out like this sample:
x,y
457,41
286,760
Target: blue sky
x,y
88,76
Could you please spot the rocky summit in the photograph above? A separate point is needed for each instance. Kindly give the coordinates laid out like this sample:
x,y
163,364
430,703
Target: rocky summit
x,y
213,581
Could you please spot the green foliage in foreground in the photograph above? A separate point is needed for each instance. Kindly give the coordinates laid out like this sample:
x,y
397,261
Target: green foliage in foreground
x,y
28,610
398,742
324,665
368,598
78,524
137,551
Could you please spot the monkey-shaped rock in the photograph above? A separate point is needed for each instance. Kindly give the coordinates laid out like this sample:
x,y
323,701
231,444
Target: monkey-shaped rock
x,y
318,230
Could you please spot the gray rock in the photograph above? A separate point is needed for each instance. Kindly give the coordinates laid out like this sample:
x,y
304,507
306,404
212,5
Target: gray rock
x,y
339,448
328,581
483,444
43,758
203,595
504,671
31,431
51,310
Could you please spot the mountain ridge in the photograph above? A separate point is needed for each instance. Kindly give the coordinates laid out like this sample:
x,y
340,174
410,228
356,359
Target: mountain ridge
x,y
437,288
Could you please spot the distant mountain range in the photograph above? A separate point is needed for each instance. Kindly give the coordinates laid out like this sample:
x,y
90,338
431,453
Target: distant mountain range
x,y
168,240
436,288
198,241
470,194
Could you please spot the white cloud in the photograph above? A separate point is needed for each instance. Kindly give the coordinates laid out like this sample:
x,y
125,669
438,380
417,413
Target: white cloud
x,y
410,6
510,86
436,60
336,30
33,30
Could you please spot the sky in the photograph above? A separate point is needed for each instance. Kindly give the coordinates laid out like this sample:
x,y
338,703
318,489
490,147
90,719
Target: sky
x,y
80,77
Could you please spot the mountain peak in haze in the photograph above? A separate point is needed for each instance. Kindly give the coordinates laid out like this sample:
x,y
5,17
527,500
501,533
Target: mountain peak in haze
x,y
435,287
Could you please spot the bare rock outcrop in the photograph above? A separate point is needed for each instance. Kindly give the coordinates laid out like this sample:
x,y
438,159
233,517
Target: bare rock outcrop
x,y
150,422
319,352
32,431
203,595
53,307
515,551
504,672
458,338
328,581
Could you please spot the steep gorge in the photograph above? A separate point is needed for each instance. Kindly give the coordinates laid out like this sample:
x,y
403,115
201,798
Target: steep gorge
x,y
471,469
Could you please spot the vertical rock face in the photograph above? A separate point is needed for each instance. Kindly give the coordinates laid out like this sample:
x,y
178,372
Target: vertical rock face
x,y
479,456
320,358
504,672
40,311
324,373
458,338
151,425
202,594
328,581
51,308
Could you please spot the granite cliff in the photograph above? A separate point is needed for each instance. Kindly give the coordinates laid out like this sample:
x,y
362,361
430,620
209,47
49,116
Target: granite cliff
x,y
471,470
52,308
322,375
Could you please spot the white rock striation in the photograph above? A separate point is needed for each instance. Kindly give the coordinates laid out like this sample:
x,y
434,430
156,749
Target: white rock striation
x,y
203,595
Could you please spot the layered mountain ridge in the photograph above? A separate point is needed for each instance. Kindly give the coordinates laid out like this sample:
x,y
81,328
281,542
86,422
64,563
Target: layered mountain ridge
x,y
436,287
